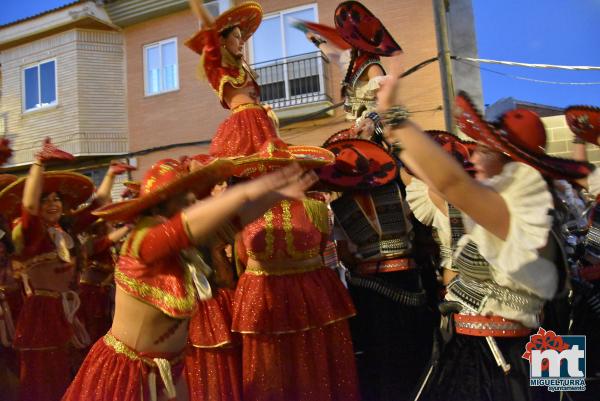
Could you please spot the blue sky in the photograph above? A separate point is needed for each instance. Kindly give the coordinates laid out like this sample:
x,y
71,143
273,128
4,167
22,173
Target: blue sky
x,y
563,32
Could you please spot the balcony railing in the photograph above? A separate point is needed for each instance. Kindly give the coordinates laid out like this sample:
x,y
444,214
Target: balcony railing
x,y
294,81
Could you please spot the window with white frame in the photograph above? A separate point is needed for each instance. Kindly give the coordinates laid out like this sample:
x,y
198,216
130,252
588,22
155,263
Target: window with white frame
x,y
39,85
289,66
216,7
161,70
276,38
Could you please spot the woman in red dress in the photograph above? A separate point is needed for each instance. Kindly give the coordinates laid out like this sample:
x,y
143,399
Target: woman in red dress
x,y
141,357
220,43
291,310
47,324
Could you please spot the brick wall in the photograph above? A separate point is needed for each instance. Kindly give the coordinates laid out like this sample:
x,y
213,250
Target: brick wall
x,y
560,138
193,113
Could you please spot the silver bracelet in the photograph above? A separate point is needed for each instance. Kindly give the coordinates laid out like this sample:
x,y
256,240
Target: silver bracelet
x,y
394,117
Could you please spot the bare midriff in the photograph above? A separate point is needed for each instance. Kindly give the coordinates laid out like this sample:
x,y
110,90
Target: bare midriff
x,y
236,97
141,326
56,276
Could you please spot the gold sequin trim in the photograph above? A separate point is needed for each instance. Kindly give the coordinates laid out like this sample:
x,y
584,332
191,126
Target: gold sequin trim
x,y
158,296
289,235
234,82
303,329
281,270
120,348
269,238
46,293
246,106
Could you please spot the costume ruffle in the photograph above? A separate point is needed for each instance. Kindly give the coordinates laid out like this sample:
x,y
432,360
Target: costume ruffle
x,y
515,262
210,326
243,133
289,303
424,210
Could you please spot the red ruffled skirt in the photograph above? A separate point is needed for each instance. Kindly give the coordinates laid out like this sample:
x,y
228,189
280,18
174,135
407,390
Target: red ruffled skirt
x,y
296,340
42,335
213,365
243,132
94,312
113,371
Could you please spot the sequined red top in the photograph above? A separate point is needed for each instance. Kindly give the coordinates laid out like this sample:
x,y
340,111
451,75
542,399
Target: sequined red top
x,y
292,229
35,246
222,68
149,267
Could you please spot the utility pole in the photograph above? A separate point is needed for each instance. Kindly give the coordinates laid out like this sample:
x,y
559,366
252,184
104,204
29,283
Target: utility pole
x,y
441,30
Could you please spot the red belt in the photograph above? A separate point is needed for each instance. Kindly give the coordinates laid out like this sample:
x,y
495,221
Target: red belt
x,y
489,326
386,266
590,273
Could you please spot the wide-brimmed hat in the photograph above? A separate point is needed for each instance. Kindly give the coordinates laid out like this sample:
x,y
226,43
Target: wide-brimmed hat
x,y
6,180
132,189
584,121
165,179
363,30
275,154
520,134
73,188
359,164
246,16
460,149
347,133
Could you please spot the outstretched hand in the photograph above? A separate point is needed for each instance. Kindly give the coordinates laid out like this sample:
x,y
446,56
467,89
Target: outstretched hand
x,y
50,152
117,168
289,182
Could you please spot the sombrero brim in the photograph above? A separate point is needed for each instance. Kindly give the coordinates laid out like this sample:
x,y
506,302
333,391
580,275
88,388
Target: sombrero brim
x,y
327,32
133,185
584,121
471,122
6,180
333,177
309,157
73,188
247,16
340,135
200,181
383,45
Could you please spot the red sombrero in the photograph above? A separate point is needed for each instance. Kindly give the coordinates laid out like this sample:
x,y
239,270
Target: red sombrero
x,y
362,30
6,180
455,146
246,16
347,133
276,154
359,164
167,178
520,134
584,121
74,189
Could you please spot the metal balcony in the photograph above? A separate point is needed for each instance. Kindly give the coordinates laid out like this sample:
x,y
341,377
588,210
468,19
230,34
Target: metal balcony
x,y
294,81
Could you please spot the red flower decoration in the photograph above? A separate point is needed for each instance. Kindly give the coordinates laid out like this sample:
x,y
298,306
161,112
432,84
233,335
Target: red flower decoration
x,y
542,341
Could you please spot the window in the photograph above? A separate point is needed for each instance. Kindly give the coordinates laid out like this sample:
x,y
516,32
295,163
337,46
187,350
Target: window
x,y
290,68
39,85
275,38
216,7
161,72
